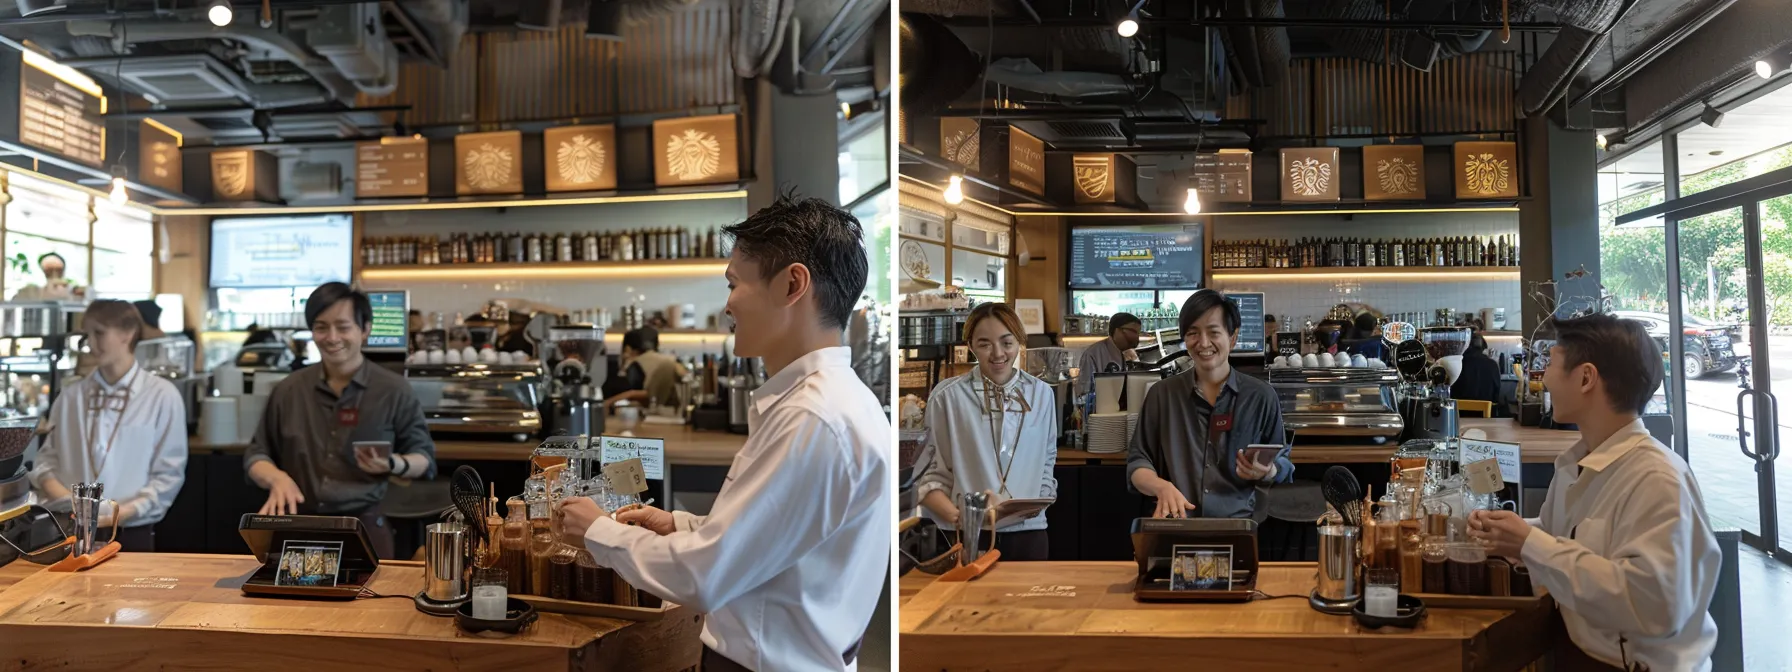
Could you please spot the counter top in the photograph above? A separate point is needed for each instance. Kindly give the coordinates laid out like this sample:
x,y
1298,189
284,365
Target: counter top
x,y
173,611
1081,616
684,445
1539,446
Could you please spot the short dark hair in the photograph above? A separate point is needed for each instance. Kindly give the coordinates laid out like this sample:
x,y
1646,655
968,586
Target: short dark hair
x,y
47,255
1365,324
1204,300
1121,321
115,314
1626,357
644,339
824,239
151,312
332,293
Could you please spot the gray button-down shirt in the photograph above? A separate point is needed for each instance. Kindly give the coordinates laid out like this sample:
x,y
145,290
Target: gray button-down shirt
x,y
1172,440
307,433
1096,359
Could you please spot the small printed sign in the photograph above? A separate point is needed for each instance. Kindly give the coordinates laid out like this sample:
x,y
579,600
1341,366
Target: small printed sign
x,y
626,476
1484,476
651,453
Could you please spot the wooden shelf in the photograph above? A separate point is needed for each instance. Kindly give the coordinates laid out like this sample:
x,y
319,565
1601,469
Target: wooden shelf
x,y
565,270
1417,272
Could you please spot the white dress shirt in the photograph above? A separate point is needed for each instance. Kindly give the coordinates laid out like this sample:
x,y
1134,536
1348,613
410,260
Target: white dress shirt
x,y
965,453
792,558
1625,548
139,453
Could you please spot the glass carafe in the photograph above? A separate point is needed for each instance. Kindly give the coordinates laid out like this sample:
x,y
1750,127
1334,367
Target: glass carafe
x,y
513,544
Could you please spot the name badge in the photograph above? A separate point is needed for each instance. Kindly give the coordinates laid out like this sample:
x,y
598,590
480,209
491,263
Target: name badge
x,y
348,417
1222,423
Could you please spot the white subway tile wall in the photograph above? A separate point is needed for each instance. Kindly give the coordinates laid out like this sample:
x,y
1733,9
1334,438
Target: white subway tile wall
x,y
1307,297
707,294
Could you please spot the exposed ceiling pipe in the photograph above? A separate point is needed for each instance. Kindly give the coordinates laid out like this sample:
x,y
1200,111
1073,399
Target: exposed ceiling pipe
x,y
1585,26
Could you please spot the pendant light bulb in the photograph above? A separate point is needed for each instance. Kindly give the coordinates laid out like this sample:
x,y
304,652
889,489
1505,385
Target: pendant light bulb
x,y
955,190
220,14
1600,141
119,196
1193,204
1128,27
1763,68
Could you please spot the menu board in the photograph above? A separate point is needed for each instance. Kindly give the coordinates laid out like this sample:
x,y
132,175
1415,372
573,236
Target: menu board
x,y
391,321
1136,257
1251,335
300,251
392,167
59,118
1224,176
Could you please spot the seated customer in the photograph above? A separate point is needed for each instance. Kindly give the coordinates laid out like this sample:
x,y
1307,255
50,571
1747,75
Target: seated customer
x,y
1623,544
1188,451
652,377
304,452
120,426
994,430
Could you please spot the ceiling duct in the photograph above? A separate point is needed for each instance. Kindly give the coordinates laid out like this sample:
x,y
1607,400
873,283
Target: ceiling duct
x,y
1585,24
270,41
1418,49
936,67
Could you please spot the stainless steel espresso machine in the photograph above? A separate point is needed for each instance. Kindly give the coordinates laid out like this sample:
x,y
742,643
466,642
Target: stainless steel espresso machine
x,y
577,366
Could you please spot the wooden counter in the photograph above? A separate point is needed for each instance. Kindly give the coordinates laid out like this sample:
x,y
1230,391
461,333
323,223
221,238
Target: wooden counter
x,y
1081,616
684,446
1541,446
164,611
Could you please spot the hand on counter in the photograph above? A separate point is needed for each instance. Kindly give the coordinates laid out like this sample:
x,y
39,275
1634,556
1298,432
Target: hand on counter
x,y
1503,532
659,521
284,497
576,516
1170,502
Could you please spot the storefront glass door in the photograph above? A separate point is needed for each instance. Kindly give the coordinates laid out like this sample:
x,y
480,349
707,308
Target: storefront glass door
x,y
1735,323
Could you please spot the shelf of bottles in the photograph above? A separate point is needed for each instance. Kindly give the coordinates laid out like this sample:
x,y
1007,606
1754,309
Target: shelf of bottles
x,y
1477,253
655,244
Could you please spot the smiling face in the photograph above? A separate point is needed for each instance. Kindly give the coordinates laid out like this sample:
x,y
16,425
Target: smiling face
x,y
109,344
996,347
1570,386
338,337
753,305
1209,342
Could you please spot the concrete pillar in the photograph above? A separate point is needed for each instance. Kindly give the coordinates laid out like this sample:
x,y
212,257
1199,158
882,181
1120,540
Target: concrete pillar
x,y
1560,223
799,146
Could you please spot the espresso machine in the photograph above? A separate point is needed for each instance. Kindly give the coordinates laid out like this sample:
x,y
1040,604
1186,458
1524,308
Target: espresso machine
x,y
1425,404
577,366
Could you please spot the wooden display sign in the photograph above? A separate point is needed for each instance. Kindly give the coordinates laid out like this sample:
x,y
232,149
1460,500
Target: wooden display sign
x,y
1393,173
960,142
392,167
1094,178
158,156
1310,174
580,158
245,175
488,163
59,116
1486,170
696,150
1026,161
1224,176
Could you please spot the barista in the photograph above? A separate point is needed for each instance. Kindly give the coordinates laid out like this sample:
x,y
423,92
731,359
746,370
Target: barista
x,y
304,452
1188,452
1111,352
994,430
652,375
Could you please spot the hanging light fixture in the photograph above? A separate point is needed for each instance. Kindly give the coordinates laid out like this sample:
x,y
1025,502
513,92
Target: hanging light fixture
x,y
219,13
1193,204
1599,140
955,190
1129,26
1764,68
119,195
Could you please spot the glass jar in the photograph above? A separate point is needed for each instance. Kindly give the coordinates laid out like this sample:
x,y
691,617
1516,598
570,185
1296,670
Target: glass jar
x,y
513,545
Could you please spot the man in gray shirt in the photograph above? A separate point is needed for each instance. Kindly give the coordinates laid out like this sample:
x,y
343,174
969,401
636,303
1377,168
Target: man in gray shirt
x,y
1123,335
1188,451
304,452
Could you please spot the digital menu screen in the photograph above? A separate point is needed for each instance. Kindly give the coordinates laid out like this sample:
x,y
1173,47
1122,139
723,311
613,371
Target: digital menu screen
x,y
1251,336
1136,257
391,321
298,251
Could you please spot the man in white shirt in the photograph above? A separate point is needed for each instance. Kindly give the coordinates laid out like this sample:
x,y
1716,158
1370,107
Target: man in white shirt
x,y
1623,544
792,558
122,427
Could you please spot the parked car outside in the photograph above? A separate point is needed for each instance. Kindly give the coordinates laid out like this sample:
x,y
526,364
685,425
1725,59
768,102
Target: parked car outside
x,y
1710,347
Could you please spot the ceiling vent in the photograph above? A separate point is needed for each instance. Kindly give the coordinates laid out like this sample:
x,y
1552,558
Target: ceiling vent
x,y
183,78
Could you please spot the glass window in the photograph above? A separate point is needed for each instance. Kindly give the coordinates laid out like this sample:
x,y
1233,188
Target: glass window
x,y
974,271
123,229
875,216
46,209
122,275
1631,263
22,252
1753,140
864,164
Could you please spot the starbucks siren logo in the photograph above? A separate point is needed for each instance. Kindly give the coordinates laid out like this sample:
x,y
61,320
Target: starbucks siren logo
x,y
581,159
488,167
693,155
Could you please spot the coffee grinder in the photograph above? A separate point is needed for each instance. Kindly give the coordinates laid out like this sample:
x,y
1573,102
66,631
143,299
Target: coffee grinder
x,y
577,366
1425,404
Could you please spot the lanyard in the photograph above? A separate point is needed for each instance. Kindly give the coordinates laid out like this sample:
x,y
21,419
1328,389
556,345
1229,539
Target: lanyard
x,y
995,403
96,406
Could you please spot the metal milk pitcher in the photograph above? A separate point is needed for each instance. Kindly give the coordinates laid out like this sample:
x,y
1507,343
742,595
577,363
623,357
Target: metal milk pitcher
x,y
973,507
87,504
1338,560
445,562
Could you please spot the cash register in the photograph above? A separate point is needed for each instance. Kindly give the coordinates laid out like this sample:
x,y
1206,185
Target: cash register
x,y
327,557
1195,559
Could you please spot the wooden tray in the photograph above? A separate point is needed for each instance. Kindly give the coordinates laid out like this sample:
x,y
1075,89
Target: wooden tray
x,y
1444,601
577,608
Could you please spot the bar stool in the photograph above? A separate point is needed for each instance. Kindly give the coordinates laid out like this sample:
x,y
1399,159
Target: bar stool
x,y
416,504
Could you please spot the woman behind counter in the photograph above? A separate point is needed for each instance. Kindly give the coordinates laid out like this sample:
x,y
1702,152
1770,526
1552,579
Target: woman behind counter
x,y
994,429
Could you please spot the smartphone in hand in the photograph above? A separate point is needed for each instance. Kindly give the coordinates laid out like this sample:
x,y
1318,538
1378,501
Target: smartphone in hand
x,y
379,449
1262,454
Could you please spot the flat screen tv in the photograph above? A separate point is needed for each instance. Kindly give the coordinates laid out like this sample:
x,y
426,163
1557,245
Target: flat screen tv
x,y
1136,257
295,251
